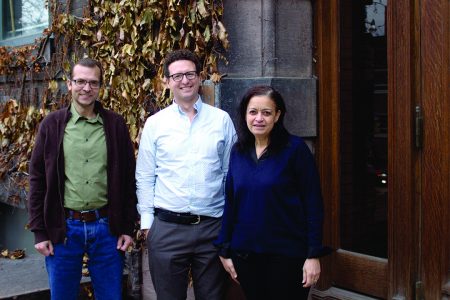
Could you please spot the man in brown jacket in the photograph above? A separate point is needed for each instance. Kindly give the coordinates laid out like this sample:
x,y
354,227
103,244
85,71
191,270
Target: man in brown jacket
x,y
82,190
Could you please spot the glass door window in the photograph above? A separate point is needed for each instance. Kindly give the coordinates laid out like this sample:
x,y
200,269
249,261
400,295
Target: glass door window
x,y
364,177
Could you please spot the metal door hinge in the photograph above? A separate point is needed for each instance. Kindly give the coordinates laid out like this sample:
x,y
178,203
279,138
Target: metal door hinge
x,y
419,290
419,127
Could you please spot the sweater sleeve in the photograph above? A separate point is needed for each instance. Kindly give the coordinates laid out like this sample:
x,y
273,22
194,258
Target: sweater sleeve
x,y
224,239
36,195
129,205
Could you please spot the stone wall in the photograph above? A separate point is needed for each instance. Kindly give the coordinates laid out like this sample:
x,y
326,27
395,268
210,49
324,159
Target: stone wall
x,y
271,43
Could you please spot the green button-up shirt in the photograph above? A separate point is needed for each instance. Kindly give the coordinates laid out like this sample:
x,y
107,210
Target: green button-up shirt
x,y
84,163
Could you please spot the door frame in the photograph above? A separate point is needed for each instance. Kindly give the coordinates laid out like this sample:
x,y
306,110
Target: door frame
x,y
398,272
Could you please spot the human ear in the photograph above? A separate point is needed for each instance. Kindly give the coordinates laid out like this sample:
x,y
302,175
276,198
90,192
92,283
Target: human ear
x,y
277,115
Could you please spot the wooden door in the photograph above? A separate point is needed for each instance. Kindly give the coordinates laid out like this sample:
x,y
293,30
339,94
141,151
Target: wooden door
x,y
433,273
417,263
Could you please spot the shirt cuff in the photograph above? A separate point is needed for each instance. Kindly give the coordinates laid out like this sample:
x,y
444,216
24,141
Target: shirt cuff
x,y
147,220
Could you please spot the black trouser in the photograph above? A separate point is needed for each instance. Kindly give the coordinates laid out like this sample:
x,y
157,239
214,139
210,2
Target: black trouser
x,y
270,277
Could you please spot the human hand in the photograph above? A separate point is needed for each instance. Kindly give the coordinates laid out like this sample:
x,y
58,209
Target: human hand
x,y
45,248
311,272
229,267
123,242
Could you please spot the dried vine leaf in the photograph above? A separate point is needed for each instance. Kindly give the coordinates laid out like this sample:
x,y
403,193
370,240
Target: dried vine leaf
x,y
15,254
5,253
130,38
85,270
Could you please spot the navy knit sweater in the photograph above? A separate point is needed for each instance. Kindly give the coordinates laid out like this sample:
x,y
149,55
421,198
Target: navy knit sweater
x,y
273,204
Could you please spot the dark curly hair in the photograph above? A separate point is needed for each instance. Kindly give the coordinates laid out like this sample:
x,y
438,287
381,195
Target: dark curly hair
x,y
278,137
180,54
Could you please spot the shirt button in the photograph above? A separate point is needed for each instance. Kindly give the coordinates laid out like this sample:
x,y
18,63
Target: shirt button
x,y
87,160
87,182
87,140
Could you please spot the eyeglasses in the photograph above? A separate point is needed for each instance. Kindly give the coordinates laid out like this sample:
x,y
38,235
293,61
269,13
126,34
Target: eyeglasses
x,y
179,76
81,83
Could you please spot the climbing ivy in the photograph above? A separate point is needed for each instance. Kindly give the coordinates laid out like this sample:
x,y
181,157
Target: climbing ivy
x,y
130,38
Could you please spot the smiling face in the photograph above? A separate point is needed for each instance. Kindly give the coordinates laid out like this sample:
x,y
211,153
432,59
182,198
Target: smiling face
x,y
186,90
261,116
83,97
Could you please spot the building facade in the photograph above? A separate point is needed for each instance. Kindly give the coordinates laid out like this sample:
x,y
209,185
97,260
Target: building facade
x,y
367,84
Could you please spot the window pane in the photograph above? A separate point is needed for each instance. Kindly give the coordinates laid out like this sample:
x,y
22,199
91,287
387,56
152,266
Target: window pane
x,y
23,17
364,133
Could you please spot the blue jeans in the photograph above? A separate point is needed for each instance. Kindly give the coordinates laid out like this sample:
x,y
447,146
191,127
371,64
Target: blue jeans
x,y
105,261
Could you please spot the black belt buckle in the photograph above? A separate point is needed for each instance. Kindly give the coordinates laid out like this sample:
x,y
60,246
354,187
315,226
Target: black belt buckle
x,y
197,221
88,215
179,218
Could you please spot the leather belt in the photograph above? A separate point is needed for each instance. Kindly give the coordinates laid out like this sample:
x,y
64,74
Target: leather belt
x,y
179,218
87,215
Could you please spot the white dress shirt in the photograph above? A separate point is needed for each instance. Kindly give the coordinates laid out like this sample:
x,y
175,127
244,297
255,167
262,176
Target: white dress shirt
x,y
182,165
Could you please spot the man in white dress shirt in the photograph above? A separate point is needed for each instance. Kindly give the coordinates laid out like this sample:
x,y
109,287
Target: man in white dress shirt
x,y
181,168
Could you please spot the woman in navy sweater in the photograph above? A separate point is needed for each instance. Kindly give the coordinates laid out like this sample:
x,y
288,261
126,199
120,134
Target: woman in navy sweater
x,y
271,234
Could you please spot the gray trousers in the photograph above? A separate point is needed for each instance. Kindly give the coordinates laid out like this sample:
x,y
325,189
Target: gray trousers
x,y
173,249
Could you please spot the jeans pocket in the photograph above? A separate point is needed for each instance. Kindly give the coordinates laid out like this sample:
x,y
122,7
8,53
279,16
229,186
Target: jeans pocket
x,y
71,228
103,221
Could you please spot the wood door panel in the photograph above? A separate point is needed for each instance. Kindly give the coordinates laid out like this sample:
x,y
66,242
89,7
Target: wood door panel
x,y
358,272
402,160
435,155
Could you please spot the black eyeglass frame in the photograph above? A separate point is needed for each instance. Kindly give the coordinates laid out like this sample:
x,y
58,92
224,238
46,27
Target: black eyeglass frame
x,y
94,84
177,77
